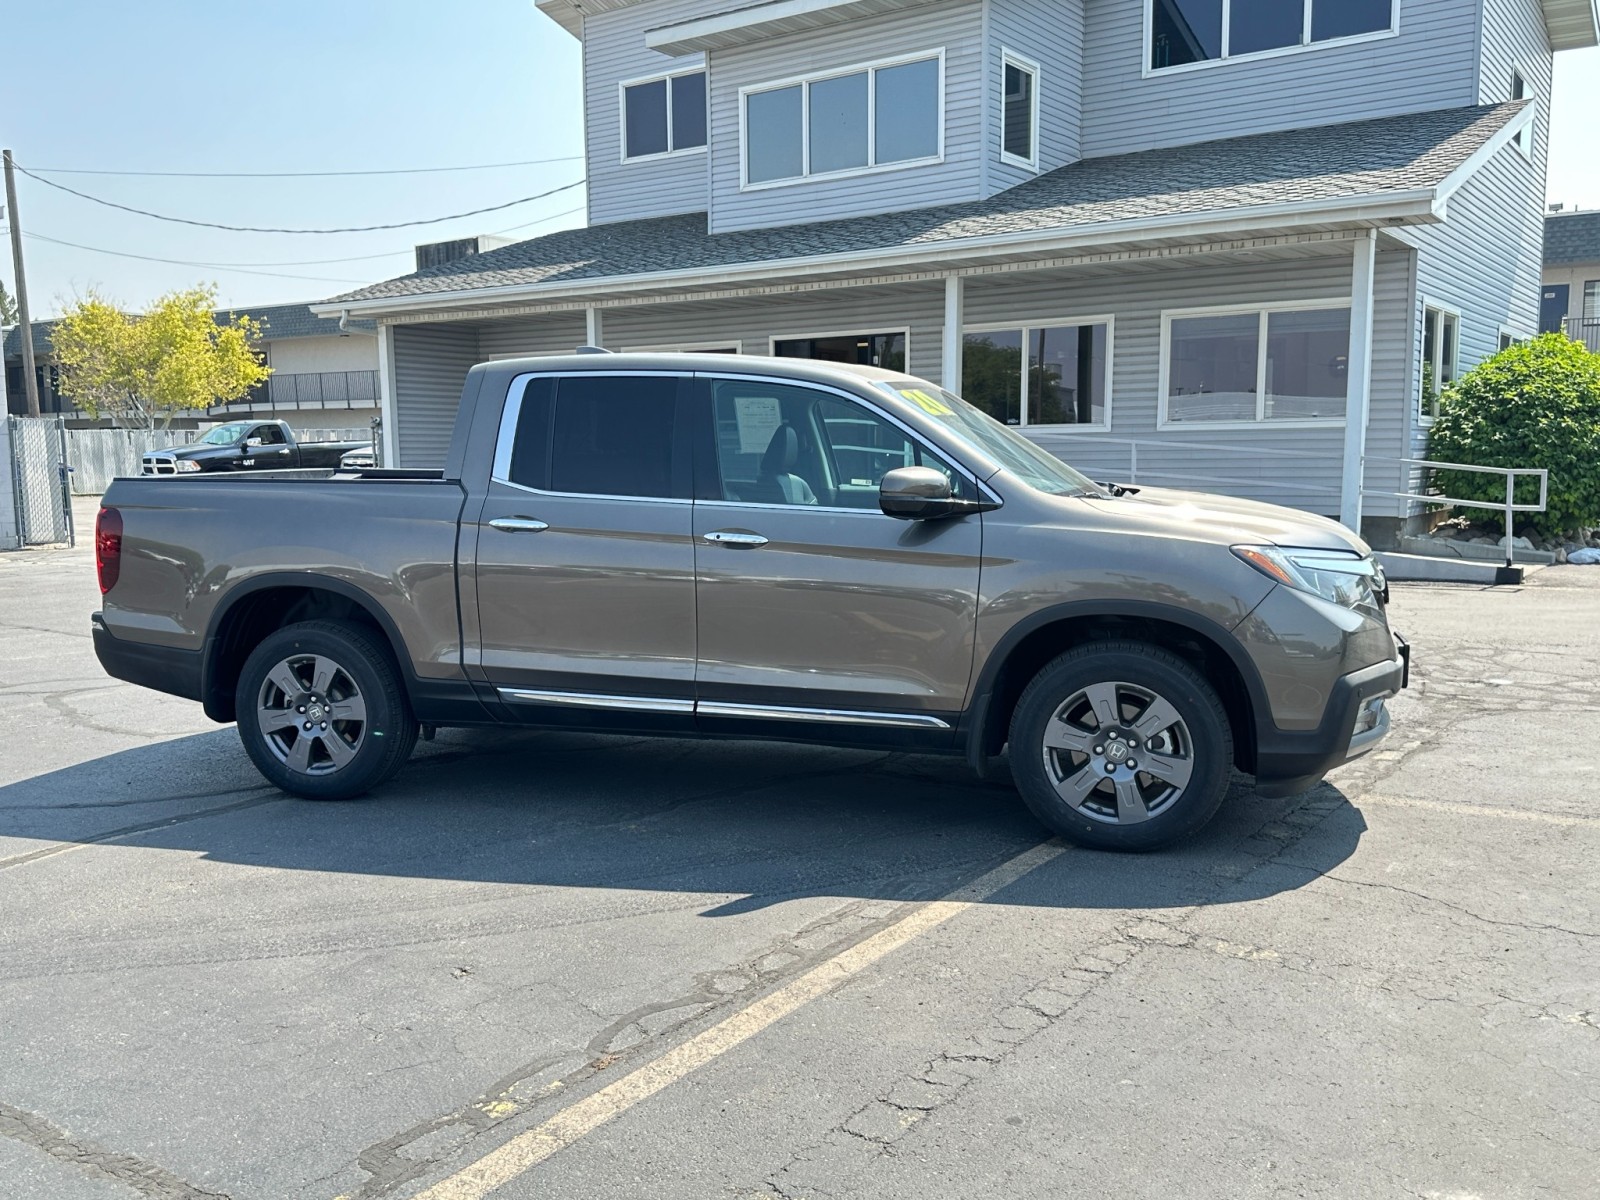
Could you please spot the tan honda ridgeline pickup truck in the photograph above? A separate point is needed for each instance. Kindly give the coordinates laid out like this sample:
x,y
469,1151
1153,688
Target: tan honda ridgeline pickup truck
x,y
757,548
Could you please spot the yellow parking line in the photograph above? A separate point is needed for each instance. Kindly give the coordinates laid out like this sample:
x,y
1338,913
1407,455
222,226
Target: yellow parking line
x,y
532,1147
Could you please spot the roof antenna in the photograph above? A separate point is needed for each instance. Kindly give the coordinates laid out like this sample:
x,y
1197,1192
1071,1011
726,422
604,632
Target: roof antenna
x,y
592,350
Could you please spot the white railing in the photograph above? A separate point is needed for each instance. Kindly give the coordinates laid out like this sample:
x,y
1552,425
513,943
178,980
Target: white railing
x,y
1165,473
1509,506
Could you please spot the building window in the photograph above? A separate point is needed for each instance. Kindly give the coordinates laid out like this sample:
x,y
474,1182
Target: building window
x,y
1278,365
1591,300
887,350
666,115
879,115
1019,111
1188,32
1524,139
1441,353
1040,375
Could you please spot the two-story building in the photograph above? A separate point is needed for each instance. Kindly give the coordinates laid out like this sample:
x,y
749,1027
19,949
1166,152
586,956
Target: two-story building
x,y
1227,244
1571,300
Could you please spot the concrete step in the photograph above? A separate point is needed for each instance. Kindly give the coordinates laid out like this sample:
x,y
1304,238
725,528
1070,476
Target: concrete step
x,y
1427,568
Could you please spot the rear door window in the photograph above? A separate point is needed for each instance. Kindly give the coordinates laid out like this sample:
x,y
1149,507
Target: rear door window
x,y
597,435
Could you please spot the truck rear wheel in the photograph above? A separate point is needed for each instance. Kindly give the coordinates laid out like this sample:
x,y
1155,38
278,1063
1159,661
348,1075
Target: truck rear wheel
x,y
322,712
1121,746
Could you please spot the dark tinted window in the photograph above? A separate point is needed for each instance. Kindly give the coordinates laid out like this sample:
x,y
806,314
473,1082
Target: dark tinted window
x,y
612,435
646,118
530,446
1346,18
1185,31
1266,25
688,111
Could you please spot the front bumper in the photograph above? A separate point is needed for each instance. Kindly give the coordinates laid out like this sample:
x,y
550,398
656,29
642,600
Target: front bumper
x,y
1289,762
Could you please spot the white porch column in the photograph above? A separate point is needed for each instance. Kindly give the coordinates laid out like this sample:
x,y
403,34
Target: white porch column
x,y
1359,375
594,327
386,397
950,359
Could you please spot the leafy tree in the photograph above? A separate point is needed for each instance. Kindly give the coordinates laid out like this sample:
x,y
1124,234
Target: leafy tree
x,y
142,370
8,306
1533,405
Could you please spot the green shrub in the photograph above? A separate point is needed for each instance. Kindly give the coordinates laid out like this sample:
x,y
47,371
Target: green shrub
x,y
1534,405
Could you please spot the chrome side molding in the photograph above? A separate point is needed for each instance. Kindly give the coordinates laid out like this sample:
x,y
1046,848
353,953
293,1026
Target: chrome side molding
x,y
708,708
655,704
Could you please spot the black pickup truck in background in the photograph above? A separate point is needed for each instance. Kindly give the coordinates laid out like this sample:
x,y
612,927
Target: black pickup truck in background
x,y
246,446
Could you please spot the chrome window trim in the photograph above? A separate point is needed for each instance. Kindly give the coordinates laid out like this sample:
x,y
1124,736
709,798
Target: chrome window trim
x,y
916,435
708,708
655,704
505,438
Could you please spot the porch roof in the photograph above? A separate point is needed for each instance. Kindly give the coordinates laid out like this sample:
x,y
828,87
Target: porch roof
x,y
1392,170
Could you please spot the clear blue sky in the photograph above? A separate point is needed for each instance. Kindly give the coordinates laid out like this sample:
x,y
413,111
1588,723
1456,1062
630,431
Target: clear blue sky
x,y
358,84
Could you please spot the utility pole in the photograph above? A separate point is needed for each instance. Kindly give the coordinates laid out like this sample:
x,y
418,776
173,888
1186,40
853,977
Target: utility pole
x,y
30,381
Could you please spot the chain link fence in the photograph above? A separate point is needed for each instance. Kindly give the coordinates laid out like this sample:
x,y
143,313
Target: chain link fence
x,y
39,475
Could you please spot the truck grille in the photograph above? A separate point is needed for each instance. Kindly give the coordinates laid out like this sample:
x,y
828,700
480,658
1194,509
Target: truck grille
x,y
158,464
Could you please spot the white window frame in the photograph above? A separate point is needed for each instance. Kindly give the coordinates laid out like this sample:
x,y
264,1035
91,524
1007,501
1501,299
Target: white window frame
x,y
1146,71
1264,311
1515,333
804,82
622,115
1583,300
686,347
1523,140
1027,327
1426,419
1010,58
903,330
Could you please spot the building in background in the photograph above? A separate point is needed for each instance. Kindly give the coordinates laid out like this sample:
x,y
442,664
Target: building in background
x,y
1205,243
322,376
1571,301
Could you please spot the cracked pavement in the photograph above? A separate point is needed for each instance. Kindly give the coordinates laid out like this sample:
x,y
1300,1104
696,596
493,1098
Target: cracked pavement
x,y
1389,986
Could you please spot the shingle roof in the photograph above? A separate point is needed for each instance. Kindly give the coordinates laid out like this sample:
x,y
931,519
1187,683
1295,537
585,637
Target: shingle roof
x,y
1571,238
1414,151
280,320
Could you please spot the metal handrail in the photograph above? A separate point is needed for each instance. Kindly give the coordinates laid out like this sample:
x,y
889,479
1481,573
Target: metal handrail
x,y
1509,507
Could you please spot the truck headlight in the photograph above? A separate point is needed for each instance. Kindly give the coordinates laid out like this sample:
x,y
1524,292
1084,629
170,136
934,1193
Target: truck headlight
x,y
1341,576
185,464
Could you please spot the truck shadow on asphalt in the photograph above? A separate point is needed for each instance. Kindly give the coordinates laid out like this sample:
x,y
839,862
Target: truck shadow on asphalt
x,y
757,823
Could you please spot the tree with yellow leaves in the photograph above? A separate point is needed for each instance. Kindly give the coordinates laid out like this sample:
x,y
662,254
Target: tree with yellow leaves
x,y
142,369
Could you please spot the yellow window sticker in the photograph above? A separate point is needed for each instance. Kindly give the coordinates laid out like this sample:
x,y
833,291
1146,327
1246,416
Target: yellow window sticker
x,y
929,404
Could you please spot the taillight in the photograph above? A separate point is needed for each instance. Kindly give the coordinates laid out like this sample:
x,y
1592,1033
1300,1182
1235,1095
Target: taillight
x,y
108,548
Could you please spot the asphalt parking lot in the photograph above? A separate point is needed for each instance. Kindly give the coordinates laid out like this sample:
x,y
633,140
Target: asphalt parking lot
x,y
550,965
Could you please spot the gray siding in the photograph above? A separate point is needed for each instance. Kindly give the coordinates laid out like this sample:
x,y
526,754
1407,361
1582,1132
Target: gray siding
x,y
1052,36
1224,461
955,26
614,51
1394,366
430,364
1485,259
1431,64
558,333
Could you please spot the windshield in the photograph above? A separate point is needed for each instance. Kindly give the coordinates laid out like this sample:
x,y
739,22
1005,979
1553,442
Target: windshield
x,y
1037,468
225,435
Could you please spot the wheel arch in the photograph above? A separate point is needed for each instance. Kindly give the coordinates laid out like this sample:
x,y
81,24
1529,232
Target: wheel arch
x,y
271,601
1031,643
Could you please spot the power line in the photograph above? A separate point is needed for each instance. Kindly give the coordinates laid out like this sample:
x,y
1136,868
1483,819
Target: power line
x,y
178,262
530,162
245,267
567,187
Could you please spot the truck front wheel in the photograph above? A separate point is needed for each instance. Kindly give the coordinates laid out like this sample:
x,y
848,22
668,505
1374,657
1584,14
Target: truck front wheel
x,y
322,712
1121,746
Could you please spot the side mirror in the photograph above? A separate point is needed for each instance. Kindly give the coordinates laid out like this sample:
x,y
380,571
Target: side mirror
x,y
253,442
917,494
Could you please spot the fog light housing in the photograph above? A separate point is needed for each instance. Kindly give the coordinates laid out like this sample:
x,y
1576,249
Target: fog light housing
x,y
1368,716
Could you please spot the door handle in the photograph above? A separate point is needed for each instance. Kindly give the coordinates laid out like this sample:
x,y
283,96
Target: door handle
x,y
518,525
740,541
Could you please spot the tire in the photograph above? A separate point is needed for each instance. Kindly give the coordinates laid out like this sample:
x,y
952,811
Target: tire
x,y
1164,735
324,669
